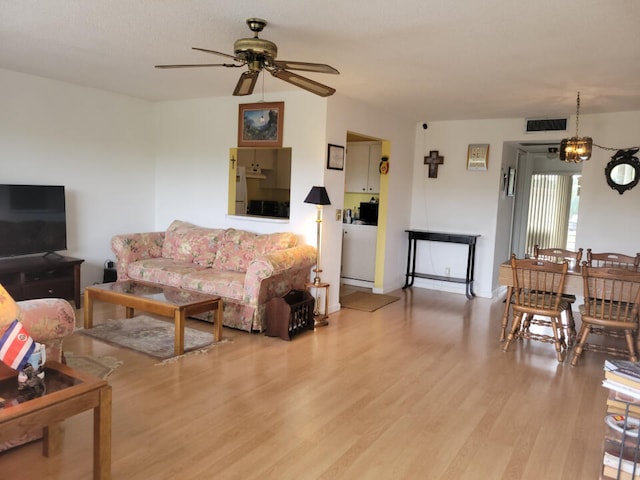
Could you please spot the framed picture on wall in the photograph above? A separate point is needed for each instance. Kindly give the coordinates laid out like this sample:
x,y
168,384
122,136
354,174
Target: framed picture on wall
x,y
478,156
335,157
260,124
511,182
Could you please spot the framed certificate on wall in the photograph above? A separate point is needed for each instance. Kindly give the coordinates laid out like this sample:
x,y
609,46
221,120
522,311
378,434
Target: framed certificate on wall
x,y
335,157
478,156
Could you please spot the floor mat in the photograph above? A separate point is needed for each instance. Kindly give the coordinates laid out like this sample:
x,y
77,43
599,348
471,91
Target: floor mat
x,y
367,302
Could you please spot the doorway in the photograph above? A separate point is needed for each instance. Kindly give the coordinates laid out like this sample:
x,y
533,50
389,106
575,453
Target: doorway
x,y
546,203
365,215
553,211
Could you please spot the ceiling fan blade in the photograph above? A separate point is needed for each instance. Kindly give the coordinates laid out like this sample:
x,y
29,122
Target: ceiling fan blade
x,y
303,82
199,65
218,53
246,83
306,66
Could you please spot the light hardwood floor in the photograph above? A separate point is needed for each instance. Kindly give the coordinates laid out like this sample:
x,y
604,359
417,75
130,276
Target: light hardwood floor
x,y
419,389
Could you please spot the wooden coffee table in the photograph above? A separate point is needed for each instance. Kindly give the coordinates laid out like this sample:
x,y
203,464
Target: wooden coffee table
x,y
170,302
68,392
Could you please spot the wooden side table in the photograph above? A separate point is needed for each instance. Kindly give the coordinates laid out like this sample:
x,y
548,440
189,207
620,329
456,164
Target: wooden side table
x,y
320,319
67,393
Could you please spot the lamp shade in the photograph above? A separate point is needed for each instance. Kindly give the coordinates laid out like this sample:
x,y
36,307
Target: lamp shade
x,y
318,196
575,149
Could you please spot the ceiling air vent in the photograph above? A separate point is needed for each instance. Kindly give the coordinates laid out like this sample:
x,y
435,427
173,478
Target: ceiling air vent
x,y
546,125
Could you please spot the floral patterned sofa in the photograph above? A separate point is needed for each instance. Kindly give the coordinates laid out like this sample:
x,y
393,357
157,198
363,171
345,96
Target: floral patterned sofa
x,y
244,268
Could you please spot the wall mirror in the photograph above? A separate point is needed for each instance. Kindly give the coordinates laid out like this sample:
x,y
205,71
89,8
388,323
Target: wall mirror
x,y
623,170
263,182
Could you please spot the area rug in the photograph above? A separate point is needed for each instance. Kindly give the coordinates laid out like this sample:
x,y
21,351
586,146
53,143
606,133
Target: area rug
x,y
367,302
100,367
148,335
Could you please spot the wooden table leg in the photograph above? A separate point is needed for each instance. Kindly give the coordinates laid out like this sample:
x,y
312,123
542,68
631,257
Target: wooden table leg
x,y
217,328
505,316
102,436
178,318
88,309
51,439
129,312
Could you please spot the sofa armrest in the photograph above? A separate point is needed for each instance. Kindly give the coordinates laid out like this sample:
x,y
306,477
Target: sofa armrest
x,y
273,264
48,321
132,247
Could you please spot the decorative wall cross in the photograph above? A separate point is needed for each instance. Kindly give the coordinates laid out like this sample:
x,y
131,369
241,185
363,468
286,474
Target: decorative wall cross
x,y
433,160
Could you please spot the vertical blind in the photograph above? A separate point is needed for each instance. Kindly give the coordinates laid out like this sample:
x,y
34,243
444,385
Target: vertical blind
x,y
549,206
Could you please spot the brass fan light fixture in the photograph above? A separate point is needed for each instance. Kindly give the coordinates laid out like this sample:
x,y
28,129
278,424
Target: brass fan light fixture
x,y
259,54
576,149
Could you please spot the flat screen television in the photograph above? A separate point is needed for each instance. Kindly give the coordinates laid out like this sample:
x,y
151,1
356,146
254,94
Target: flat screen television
x,y
32,219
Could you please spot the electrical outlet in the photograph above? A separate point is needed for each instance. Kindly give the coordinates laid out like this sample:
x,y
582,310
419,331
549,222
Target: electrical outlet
x,y
338,215
447,271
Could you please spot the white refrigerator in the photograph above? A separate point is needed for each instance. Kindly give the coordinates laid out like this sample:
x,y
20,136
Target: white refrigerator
x,y
241,191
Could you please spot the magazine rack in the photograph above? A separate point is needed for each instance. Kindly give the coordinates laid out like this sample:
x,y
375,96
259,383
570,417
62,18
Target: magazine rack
x,y
622,441
622,445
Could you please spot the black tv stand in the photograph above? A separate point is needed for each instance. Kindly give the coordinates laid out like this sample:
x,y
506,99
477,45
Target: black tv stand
x,y
45,276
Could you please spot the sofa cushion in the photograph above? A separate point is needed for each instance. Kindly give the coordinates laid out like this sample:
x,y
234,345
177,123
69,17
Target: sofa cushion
x,y
186,242
216,282
166,271
239,247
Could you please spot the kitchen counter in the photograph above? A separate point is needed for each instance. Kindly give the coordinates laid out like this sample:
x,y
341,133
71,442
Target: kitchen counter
x,y
359,251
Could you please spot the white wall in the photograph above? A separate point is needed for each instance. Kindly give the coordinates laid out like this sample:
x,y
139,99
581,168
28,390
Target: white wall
x,y
192,142
96,144
193,138
608,221
129,165
469,201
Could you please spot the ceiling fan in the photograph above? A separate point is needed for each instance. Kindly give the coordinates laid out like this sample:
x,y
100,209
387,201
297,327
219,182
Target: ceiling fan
x,y
259,54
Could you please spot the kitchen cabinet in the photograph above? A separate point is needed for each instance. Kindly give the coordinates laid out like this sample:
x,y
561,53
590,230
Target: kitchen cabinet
x,y
279,175
359,252
271,165
257,159
266,157
362,167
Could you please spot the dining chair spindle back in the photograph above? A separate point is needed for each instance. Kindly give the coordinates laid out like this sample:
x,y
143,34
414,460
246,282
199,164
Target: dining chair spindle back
x,y
612,299
537,291
573,258
610,259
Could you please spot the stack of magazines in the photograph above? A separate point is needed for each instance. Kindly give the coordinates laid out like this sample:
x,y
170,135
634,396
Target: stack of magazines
x,y
622,442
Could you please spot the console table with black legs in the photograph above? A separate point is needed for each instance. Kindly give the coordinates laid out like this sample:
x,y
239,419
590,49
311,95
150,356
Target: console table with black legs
x,y
470,240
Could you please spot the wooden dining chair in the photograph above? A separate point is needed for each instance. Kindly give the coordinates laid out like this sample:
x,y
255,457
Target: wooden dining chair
x,y
615,260
558,255
610,259
573,258
537,291
611,302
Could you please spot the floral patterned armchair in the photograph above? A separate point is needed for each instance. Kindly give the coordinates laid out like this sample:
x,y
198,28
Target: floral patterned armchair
x,y
49,321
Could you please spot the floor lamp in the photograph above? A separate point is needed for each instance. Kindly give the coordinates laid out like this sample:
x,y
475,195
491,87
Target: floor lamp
x,y
318,196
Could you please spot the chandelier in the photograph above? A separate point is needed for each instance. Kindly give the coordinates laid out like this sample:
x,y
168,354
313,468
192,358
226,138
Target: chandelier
x,y
576,149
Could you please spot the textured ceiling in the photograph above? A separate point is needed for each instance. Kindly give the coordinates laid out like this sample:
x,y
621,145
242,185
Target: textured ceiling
x,y
425,59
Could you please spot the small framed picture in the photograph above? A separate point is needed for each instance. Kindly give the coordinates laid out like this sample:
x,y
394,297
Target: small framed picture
x,y
511,182
335,157
478,156
260,124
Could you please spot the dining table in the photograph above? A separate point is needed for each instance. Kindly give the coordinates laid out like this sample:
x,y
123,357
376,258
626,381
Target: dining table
x,y
573,285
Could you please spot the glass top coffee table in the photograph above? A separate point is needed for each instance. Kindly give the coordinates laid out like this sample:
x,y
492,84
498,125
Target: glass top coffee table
x,y
166,301
67,392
